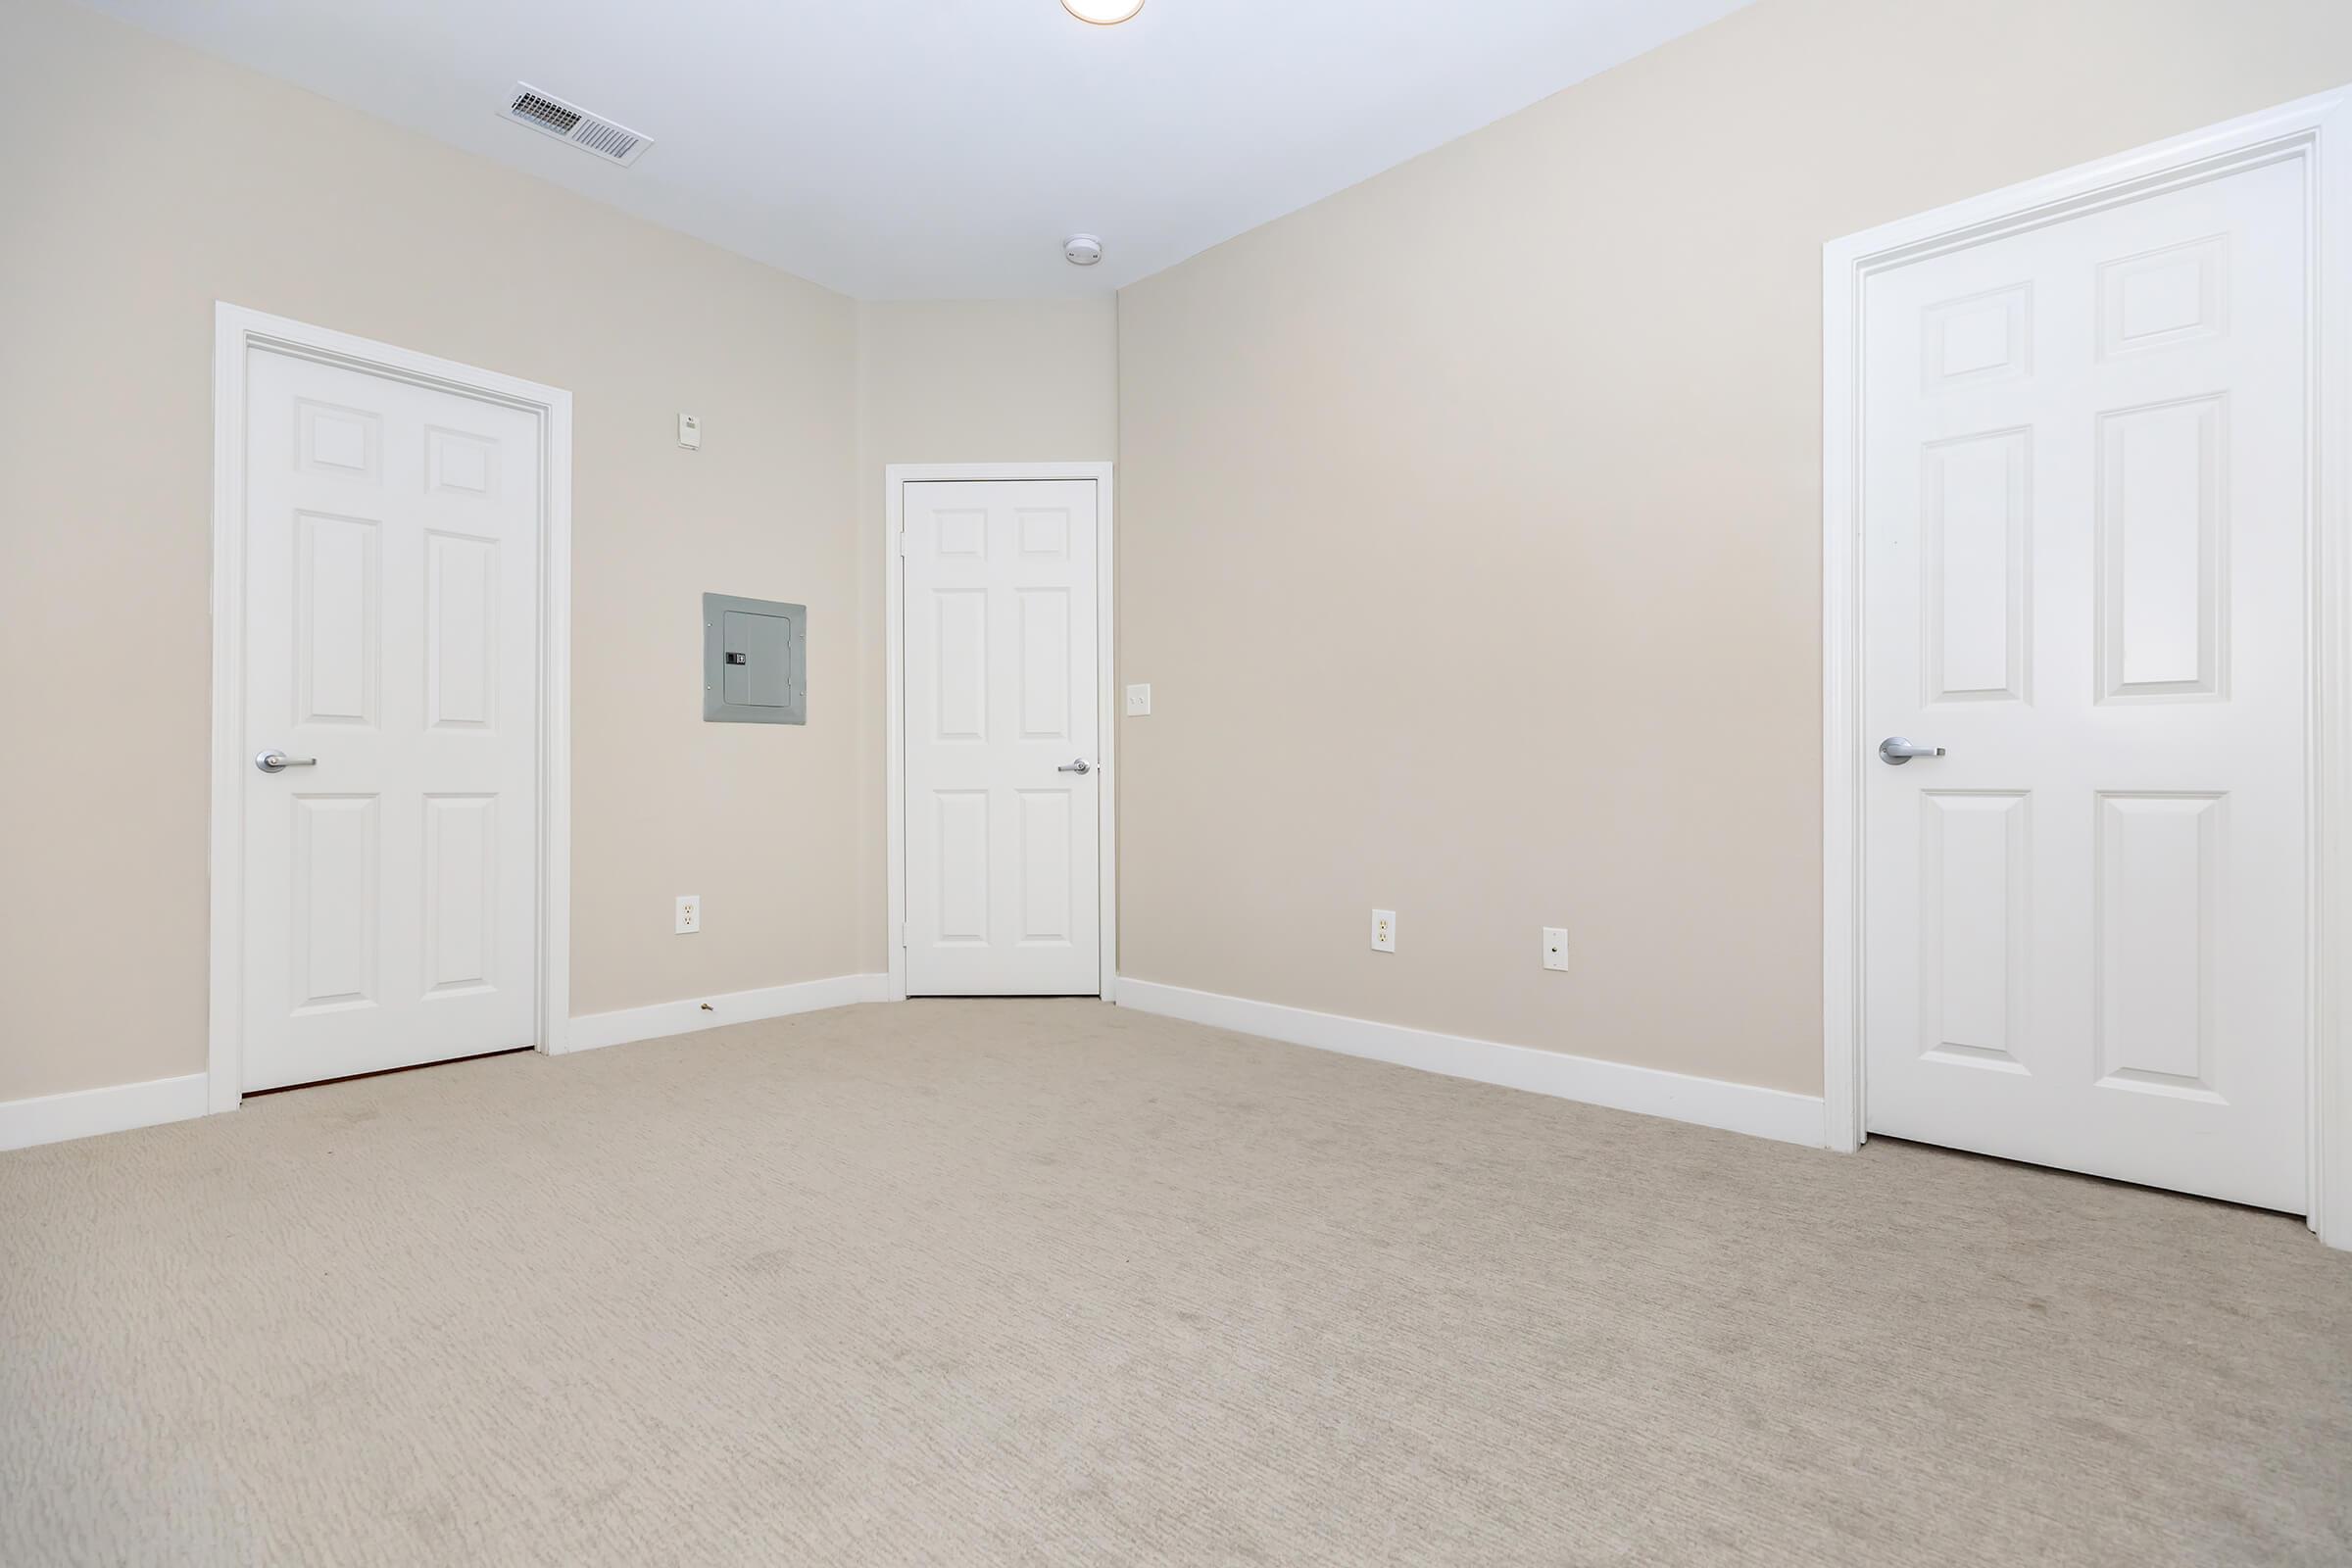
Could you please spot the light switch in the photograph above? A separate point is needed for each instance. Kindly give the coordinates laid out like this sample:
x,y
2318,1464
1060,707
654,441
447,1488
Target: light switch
x,y
690,432
1139,701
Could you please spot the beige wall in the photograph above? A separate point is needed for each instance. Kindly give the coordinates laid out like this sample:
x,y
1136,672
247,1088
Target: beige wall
x,y
178,180
152,181
969,381
986,381
1470,519
1452,509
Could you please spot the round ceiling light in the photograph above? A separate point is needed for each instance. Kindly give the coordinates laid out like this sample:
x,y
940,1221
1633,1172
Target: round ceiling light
x,y
1103,13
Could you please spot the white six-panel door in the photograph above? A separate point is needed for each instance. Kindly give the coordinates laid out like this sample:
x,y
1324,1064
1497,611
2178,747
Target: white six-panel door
x,y
391,592
1002,719
2083,536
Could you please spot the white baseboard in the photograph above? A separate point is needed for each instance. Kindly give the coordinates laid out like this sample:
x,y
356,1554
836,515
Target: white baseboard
x,y
666,1018
1678,1097
87,1112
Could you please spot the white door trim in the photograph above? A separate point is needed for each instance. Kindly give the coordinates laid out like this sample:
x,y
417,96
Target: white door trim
x,y
2317,133
895,477
235,330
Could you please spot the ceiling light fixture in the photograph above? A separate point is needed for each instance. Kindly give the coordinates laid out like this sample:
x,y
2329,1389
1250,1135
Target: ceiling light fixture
x,y
1103,13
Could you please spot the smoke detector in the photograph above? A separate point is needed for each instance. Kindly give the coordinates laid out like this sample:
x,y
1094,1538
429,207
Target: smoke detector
x,y
1082,250
551,115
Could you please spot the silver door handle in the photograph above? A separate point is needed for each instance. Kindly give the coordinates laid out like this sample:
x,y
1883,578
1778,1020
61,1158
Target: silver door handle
x,y
1894,751
1082,765
280,762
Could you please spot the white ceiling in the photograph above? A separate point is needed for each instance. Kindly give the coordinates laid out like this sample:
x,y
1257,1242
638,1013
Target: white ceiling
x,y
921,148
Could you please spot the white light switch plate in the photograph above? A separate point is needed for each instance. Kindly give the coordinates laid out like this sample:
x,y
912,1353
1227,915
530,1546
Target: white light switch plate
x,y
1139,701
690,432
1555,946
690,914
1384,930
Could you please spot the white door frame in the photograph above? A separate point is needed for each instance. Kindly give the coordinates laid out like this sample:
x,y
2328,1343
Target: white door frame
x,y
235,330
895,477
2316,133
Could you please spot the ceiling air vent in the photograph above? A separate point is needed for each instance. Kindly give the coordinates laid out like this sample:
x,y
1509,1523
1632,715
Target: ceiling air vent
x,y
546,113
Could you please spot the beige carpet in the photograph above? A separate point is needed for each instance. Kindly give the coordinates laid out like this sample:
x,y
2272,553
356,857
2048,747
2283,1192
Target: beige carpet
x,y
1051,1283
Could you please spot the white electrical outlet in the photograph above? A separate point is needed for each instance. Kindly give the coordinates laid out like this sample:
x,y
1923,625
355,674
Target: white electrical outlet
x,y
1384,930
1555,946
690,914
1139,701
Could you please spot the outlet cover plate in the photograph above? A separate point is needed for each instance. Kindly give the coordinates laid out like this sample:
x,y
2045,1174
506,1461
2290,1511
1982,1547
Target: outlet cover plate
x,y
1555,946
1384,930
1139,701
690,914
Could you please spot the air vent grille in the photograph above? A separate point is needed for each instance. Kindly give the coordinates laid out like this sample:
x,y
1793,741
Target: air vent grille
x,y
591,134
610,141
544,113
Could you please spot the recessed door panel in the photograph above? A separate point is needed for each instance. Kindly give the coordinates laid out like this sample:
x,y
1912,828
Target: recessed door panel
x,y
1045,663
1978,338
963,863
1048,824
462,464
461,892
1975,554
2168,296
2159,924
338,666
337,852
2163,608
1973,882
959,663
340,443
461,574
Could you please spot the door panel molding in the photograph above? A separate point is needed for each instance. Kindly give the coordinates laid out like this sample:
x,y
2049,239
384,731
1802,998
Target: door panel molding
x,y
895,477
237,333
2314,133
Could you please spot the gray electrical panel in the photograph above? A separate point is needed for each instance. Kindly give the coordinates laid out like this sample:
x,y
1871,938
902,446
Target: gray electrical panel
x,y
754,661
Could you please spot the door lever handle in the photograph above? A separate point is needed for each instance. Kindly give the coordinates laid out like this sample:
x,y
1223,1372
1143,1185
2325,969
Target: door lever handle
x,y
280,762
1894,751
1079,766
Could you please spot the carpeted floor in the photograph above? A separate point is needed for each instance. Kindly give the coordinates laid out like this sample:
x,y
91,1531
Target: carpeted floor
x,y
1053,1283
